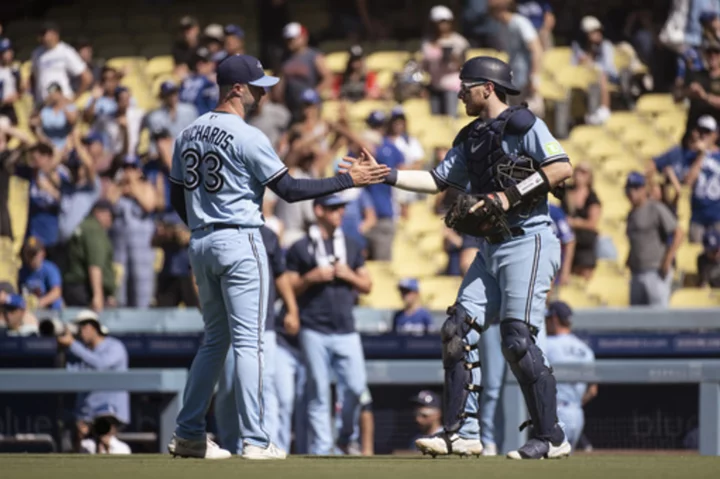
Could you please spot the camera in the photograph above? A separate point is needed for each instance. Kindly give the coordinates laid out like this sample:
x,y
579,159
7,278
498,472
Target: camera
x,y
53,327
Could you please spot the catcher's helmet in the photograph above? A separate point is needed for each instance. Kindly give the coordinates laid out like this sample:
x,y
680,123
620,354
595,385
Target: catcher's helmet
x,y
492,70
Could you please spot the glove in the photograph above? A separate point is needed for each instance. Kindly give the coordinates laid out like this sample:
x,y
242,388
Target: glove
x,y
487,220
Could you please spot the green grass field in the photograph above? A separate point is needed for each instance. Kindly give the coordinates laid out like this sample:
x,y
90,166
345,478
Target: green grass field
x,y
652,466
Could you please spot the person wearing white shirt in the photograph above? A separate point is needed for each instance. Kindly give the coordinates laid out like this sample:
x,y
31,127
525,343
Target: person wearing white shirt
x,y
54,61
411,148
9,87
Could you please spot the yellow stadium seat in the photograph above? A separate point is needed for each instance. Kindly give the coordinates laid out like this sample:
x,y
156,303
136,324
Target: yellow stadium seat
x,y
602,150
615,209
654,103
653,148
694,298
161,65
336,62
415,108
431,244
577,77
385,79
487,52
577,298
359,111
390,60
550,90
687,255
616,168
611,289
130,65
18,206
331,110
584,135
639,134
623,120
556,58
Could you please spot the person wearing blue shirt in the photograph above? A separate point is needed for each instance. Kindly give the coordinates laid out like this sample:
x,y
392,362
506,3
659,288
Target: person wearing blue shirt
x,y
413,318
540,14
564,347
45,181
327,270
170,118
359,216
565,234
197,88
56,119
381,236
39,276
94,350
703,177
102,102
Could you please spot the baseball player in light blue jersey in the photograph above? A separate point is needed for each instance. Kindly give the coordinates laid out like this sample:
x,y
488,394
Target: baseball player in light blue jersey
x,y
564,347
511,162
220,168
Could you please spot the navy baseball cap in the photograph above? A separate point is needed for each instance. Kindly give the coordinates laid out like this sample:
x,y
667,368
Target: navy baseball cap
x,y
5,45
234,30
311,97
123,89
708,16
14,301
131,161
711,240
397,112
244,69
427,398
635,180
409,284
376,118
166,88
560,309
330,201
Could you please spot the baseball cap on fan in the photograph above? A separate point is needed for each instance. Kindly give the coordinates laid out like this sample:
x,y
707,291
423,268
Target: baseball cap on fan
x,y
293,30
441,13
590,24
244,69
707,122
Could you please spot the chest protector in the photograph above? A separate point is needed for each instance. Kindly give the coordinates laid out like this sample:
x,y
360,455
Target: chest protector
x,y
490,167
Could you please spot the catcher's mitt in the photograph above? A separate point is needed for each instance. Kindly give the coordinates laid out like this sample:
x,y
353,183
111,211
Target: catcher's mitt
x,y
487,220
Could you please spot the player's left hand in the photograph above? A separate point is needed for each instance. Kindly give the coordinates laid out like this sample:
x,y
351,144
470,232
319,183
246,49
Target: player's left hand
x,y
343,271
499,194
364,170
65,340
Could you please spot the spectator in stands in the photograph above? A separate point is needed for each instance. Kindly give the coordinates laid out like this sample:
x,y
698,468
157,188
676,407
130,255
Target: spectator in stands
x,y
413,318
213,38
156,171
593,50
54,61
89,280
102,100
412,150
703,178
174,282
694,14
313,130
304,68
10,84
356,83
39,276
94,350
272,119
188,41
563,346
199,87
45,179
170,119
272,17
359,216
104,430
15,320
542,17
8,158
708,263
650,225
132,232
690,58
55,122
381,237
428,415
703,88
583,209
564,233
640,30
524,50
121,131
327,270
443,54
95,65
452,245
234,40
82,189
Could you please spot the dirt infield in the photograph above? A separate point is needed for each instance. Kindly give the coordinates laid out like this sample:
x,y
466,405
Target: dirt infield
x,y
588,466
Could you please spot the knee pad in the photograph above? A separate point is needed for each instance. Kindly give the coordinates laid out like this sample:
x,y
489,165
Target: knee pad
x,y
458,371
516,340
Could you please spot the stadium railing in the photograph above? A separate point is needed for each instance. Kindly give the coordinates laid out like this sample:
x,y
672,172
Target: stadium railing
x,y
166,381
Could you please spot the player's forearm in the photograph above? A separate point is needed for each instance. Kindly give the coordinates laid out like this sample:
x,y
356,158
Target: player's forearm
x,y
297,189
413,180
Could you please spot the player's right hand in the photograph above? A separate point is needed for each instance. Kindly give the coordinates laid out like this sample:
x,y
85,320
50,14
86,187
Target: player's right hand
x,y
364,170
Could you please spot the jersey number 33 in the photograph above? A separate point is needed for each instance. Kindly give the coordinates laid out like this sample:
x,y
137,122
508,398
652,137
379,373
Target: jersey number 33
x,y
203,169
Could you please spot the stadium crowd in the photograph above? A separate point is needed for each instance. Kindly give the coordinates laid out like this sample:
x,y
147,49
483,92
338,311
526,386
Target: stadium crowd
x,y
93,162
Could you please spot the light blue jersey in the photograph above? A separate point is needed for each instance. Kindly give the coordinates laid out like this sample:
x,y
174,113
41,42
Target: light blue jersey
x,y
224,164
567,348
538,143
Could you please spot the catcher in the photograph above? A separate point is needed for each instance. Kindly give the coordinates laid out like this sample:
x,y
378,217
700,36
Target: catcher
x,y
510,162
